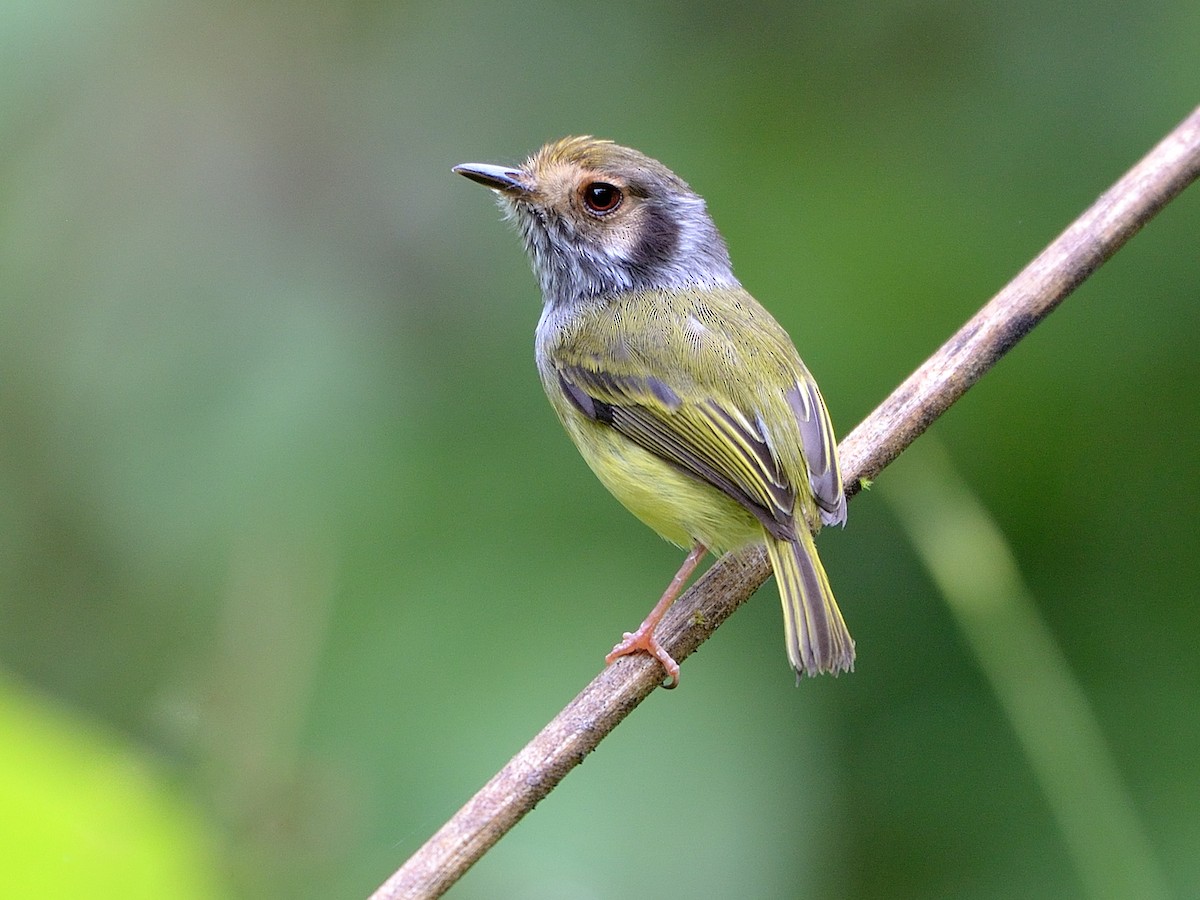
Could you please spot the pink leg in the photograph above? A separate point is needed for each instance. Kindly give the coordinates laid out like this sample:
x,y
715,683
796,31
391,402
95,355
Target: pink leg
x,y
643,639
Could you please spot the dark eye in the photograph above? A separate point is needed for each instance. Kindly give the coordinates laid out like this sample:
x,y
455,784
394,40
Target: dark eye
x,y
601,198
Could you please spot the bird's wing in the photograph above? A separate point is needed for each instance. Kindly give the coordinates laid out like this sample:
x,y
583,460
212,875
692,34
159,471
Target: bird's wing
x,y
711,439
820,449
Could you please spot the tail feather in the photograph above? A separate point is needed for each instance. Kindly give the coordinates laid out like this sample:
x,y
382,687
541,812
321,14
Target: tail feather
x,y
817,637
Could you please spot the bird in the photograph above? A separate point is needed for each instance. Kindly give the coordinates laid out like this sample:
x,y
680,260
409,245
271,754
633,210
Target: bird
x,y
683,394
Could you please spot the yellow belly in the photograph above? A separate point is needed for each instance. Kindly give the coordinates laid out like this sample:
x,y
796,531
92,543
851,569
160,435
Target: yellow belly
x,y
679,507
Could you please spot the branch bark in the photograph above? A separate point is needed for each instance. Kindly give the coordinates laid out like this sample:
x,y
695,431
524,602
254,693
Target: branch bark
x,y
1094,237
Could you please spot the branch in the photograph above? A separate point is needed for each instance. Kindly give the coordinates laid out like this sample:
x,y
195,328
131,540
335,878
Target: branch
x,y
867,450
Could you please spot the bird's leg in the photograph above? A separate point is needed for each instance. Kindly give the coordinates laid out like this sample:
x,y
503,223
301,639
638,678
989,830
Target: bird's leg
x,y
643,638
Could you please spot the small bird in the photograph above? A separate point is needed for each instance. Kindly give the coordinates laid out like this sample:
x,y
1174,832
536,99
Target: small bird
x,y
684,395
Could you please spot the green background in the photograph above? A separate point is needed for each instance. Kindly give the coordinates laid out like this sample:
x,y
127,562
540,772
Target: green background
x,y
294,556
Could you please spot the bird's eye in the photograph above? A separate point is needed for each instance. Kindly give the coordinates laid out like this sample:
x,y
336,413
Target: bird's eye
x,y
601,198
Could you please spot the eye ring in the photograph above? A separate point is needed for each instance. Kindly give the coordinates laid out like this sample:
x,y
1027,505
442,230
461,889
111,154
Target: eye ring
x,y
601,198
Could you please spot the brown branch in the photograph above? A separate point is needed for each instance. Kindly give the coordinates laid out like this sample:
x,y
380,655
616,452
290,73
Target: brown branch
x,y
926,394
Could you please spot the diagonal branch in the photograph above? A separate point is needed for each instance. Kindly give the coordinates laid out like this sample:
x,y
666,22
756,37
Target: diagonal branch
x,y
1094,237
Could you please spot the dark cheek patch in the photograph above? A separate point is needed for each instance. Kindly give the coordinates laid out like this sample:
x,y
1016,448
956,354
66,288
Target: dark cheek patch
x,y
658,241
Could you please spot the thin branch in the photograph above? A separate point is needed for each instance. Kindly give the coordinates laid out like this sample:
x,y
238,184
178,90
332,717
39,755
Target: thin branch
x,y
897,422
1064,265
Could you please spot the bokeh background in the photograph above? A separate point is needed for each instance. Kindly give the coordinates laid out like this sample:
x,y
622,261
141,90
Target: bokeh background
x,y
294,556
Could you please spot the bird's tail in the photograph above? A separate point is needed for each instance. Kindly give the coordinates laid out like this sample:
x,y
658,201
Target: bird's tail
x,y
817,638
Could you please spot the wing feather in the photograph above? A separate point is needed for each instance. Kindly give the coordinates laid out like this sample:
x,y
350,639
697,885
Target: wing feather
x,y
820,450
709,440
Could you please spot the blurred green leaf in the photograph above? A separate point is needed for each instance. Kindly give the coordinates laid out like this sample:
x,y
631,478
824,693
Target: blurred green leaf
x,y
86,814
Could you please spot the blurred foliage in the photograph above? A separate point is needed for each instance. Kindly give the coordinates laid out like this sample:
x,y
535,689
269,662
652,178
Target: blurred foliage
x,y
284,507
85,816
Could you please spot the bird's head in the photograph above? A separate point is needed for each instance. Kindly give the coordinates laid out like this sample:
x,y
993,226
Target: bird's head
x,y
599,219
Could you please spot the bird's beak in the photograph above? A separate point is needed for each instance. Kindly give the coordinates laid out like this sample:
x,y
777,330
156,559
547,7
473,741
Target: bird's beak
x,y
498,178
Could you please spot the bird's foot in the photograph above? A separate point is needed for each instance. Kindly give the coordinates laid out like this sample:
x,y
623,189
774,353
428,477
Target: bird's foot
x,y
643,640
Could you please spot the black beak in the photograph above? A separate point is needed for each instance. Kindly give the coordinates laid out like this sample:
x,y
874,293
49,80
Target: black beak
x,y
498,178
